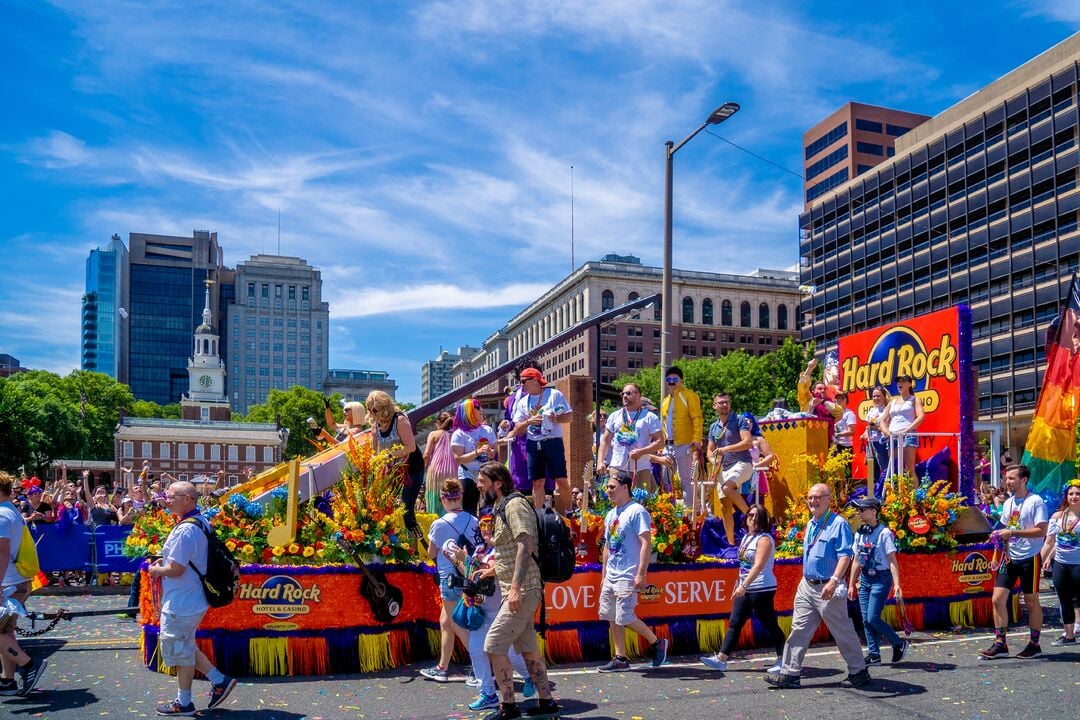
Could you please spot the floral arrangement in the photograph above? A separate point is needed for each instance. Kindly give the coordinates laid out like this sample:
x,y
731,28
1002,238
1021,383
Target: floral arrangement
x,y
363,508
920,513
672,529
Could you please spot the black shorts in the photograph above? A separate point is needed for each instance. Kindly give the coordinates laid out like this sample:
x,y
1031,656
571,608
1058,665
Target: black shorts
x,y
1022,570
547,460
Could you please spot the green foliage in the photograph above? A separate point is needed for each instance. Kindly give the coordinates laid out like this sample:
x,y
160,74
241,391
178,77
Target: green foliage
x,y
753,382
42,417
292,408
150,409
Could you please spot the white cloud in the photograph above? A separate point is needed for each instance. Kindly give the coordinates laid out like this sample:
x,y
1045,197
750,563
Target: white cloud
x,y
57,150
435,296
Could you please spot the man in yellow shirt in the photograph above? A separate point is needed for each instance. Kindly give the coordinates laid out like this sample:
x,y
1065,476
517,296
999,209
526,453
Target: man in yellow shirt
x,y
683,425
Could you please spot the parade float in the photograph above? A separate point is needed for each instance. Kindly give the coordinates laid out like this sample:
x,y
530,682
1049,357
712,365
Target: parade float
x,y
337,585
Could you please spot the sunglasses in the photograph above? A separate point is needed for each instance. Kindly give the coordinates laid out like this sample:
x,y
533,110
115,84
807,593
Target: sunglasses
x,y
672,380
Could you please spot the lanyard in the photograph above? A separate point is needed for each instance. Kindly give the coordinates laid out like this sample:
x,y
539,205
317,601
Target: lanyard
x,y
811,540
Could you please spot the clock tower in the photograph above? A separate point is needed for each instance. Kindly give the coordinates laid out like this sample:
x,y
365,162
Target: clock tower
x,y
206,399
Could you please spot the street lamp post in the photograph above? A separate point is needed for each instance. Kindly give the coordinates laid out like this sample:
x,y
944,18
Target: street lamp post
x,y
718,116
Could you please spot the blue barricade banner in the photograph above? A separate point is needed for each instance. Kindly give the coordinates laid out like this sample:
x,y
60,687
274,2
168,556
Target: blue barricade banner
x,y
76,547
109,541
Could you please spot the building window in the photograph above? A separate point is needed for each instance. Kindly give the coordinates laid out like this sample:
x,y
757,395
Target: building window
x,y
215,452
607,300
129,449
895,130
234,453
688,310
265,290
251,290
781,317
181,451
249,453
292,292
147,450
163,451
763,315
304,293
825,141
744,314
706,312
867,125
869,148
200,451
658,310
268,455
632,297
838,155
725,313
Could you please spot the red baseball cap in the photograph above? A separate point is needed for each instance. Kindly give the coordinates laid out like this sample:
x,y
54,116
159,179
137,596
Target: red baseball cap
x,y
533,374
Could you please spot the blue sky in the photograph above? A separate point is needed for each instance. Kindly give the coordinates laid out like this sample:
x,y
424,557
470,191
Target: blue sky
x,y
420,153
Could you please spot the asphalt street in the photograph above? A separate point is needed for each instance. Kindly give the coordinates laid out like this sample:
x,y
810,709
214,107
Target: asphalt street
x,y
94,671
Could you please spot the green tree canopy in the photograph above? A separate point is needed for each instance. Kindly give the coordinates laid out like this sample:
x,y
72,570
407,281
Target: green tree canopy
x,y
292,408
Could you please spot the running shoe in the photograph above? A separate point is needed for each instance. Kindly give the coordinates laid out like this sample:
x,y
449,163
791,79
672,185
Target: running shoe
x,y
714,662
899,651
220,691
1030,650
857,680
1061,641
30,674
173,707
998,649
614,665
872,659
485,702
660,647
436,673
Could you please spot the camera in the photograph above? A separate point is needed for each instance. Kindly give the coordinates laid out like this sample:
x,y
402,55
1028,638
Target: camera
x,y
472,588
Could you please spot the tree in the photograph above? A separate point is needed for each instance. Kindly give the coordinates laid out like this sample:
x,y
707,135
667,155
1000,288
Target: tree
x,y
291,408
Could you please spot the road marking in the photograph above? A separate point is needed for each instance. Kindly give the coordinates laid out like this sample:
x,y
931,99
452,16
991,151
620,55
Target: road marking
x,y
823,652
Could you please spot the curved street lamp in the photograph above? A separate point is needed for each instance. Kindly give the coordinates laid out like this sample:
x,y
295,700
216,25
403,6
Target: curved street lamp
x,y
717,116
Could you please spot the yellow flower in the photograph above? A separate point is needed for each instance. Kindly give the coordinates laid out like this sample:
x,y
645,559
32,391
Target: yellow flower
x,y
309,551
901,534
661,547
249,550
892,526
294,549
278,551
231,545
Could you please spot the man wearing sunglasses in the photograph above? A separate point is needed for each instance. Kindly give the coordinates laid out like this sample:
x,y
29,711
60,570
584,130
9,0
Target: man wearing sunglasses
x,y
631,435
683,424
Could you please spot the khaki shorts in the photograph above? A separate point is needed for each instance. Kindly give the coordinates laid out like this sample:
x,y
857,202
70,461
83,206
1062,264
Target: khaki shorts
x,y
515,629
22,593
738,473
617,602
177,640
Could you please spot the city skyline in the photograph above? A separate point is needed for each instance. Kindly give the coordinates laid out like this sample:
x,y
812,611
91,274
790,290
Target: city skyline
x,y
421,157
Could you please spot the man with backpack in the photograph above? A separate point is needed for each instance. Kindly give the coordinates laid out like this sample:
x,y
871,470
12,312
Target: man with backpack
x,y
183,563
516,540
15,585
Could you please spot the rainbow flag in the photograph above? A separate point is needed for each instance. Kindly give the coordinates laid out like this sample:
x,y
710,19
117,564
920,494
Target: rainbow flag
x,y
1050,452
39,581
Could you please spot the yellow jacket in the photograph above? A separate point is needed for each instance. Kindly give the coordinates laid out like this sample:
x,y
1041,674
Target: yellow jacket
x,y
687,423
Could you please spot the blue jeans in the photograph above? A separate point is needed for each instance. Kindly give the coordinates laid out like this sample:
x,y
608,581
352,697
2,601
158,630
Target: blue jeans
x,y
873,594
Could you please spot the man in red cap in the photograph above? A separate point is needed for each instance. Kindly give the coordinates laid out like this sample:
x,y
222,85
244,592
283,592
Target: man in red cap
x,y
539,414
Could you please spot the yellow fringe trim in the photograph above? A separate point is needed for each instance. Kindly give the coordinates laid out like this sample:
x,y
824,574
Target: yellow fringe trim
x,y
710,634
784,621
962,613
375,652
268,656
434,641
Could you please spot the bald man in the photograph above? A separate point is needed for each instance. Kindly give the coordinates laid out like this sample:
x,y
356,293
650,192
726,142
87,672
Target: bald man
x,y
822,595
183,602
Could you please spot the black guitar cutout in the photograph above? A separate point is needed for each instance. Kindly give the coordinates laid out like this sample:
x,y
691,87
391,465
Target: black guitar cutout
x,y
384,598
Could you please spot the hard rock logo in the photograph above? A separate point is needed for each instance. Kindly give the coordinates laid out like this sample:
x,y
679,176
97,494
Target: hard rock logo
x,y
280,597
973,570
901,351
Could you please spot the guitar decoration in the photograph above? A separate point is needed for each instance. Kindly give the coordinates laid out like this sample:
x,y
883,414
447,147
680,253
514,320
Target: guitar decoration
x,y
588,476
282,535
691,548
384,598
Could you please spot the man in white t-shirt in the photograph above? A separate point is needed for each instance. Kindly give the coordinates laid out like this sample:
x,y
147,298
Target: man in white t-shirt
x,y
627,548
539,414
632,433
183,602
15,661
1023,516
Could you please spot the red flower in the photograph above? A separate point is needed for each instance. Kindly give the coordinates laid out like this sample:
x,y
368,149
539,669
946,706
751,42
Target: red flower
x,y
267,553
385,549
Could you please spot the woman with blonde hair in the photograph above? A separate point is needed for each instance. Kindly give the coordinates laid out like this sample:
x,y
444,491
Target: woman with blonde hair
x,y
391,429
439,462
355,420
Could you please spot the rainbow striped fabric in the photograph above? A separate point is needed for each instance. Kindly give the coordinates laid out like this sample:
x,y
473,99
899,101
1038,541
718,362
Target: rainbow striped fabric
x,y
1050,452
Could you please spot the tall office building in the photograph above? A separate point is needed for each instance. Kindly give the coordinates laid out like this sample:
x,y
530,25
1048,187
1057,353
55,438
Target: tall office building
x,y
104,309
355,385
437,376
851,141
278,329
166,280
978,206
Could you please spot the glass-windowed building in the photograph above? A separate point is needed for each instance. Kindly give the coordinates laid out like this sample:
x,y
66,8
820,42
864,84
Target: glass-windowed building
x,y
166,280
977,206
104,307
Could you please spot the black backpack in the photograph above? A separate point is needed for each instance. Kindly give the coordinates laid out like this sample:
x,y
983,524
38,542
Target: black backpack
x,y
556,554
222,570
